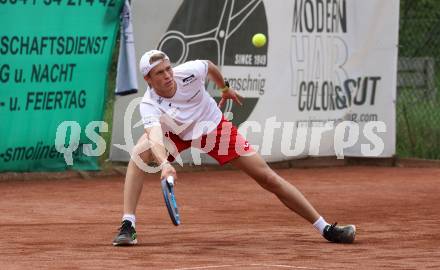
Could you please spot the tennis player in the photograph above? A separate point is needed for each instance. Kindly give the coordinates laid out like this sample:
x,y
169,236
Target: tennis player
x,y
177,110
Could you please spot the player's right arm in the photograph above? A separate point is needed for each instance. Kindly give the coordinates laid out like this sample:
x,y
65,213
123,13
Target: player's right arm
x,y
153,129
159,152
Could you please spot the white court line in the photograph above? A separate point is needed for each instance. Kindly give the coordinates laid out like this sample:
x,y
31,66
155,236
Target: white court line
x,y
286,266
205,267
242,265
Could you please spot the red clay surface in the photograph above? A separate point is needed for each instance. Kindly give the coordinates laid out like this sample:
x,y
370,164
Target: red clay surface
x,y
229,222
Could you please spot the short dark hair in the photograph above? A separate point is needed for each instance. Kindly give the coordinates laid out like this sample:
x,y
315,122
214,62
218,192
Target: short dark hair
x,y
156,57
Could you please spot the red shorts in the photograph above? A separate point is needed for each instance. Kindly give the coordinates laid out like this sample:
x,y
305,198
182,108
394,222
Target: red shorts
x,y
223,143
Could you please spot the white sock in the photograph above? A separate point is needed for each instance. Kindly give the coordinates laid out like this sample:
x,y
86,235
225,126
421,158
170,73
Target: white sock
x,y
320,224
131,218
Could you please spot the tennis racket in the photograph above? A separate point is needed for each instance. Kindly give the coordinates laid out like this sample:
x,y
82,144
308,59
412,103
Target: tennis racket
x,y
170,199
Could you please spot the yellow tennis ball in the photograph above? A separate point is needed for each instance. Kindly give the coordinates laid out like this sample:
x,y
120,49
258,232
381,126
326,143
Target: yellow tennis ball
x,y
259,40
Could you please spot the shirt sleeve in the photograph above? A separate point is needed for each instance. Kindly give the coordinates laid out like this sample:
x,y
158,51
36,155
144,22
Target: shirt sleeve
x,y
202,68
150,115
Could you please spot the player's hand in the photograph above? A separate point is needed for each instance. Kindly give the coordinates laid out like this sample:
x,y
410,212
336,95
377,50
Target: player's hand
x,y
230,94
168,170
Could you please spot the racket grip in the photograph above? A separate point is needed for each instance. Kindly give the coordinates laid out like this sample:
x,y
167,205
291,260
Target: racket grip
x,y
170,180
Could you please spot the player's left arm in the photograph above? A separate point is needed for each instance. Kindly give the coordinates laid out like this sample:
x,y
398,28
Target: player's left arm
x,y
216,76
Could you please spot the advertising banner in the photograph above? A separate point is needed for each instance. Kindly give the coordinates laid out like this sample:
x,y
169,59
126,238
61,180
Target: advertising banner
x,y
54,62
323,84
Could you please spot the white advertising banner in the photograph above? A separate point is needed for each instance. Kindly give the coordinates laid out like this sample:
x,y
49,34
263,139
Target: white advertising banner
x,y
324,84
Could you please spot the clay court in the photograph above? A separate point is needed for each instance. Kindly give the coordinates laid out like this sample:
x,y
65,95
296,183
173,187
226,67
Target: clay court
x,y
229,222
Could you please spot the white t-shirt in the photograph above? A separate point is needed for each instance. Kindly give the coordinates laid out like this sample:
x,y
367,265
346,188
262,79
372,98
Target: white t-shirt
x,y
191,112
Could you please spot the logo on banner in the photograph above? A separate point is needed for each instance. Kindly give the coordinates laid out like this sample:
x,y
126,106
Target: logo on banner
x,y
322,46
221,31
